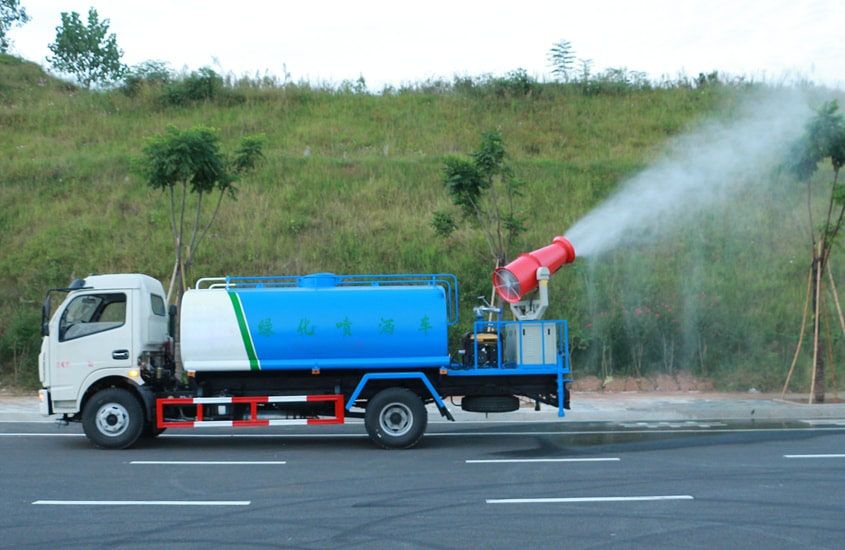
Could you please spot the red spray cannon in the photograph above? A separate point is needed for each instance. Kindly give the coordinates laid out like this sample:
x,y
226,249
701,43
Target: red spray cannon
x,y
519,277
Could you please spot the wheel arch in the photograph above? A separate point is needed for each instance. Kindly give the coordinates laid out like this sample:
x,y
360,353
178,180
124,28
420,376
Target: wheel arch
x,y
142,394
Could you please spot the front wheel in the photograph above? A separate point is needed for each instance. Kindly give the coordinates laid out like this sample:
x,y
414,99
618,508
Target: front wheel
x,y
113,419
396,418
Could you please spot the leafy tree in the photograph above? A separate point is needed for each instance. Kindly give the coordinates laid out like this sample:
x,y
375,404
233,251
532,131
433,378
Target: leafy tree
x,y
12,14
151,73
562,57
485,190
190,161
823,139
86,51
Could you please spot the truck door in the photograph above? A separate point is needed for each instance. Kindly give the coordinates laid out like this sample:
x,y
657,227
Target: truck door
x,y
93,332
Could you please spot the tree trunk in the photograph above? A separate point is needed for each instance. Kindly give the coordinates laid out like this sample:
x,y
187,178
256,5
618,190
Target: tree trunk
x,y
819,367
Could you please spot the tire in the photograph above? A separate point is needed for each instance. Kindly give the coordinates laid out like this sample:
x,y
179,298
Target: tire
x,y
113,419
150,431
396,418
490,403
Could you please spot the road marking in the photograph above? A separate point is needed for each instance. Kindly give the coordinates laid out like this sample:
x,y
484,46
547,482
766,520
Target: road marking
x,y
25,434
584,499
510,460
675,425
815,456
144,502
213,462
825,422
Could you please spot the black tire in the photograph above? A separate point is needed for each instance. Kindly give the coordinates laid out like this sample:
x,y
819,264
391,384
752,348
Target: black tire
x,y
150,431
113,419
490,403
396,418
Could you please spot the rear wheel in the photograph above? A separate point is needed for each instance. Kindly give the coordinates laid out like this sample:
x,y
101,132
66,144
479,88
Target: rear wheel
x,y
396,418
113,419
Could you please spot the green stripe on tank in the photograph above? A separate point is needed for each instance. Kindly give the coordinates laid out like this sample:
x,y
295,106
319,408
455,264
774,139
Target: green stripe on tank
x,y
250,349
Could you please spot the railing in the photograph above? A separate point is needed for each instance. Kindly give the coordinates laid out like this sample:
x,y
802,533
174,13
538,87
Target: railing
x,y
447,281
518,350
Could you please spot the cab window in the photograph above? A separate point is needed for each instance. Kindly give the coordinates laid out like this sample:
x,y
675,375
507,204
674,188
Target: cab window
x,y
157,304
92,313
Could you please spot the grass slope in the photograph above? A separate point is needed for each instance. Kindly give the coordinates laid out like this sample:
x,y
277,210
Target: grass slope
x,y
349,185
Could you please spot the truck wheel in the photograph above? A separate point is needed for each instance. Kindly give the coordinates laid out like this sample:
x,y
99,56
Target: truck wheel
x,y
396,418
113,419
151,431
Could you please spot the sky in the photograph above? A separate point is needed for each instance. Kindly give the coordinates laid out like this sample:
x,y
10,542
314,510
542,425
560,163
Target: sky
x,y
396,43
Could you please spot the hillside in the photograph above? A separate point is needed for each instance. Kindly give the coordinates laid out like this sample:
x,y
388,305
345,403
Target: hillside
x,y
350,182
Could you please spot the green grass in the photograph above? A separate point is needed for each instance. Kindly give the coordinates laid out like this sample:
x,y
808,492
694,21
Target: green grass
x,y
361,201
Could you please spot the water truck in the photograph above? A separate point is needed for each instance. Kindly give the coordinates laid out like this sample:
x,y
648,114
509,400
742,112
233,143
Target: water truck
x,y
296,350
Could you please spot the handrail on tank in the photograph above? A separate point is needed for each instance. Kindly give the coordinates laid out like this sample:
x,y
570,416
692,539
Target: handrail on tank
x,y
447,281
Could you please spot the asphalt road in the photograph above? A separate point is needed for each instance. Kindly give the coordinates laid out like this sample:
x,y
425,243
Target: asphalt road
x,y
467,485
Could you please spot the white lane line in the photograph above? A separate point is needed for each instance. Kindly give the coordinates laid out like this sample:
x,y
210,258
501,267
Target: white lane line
x,y
584,499
211,462
815,456
144,502
25,434
517,460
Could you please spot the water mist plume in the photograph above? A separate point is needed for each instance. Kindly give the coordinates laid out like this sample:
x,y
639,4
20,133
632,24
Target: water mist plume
x,y
699,170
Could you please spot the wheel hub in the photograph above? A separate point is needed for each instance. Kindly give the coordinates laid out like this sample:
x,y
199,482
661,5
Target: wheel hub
x,y
396,419
112,419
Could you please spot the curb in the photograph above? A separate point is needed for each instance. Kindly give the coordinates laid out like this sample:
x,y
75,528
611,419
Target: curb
x,y
586,407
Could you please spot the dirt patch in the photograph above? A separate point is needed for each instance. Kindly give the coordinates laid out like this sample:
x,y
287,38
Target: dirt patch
x,y
680,382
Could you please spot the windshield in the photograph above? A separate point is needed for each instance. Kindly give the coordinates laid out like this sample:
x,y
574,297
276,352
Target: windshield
x,y
92,313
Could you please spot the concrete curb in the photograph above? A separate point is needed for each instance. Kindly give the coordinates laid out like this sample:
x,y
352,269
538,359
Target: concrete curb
x,y
591,407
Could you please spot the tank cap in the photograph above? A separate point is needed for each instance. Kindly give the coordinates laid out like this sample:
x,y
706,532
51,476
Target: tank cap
x,y
319,280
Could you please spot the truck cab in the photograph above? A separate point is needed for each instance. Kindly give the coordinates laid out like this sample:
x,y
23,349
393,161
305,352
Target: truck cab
x,y
97,337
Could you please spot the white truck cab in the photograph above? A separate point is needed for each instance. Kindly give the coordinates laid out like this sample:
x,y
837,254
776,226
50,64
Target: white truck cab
x,y
97,339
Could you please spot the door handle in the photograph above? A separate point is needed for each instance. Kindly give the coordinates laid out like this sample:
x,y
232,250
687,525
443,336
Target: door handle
x,y
120,354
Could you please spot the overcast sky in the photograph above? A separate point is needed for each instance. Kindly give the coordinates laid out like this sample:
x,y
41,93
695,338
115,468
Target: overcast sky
x,y
396,42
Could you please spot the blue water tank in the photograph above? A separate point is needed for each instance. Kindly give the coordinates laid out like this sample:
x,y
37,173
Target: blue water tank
x,y
315,325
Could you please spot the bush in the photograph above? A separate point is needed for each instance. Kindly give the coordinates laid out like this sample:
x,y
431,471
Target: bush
x,y
20,340
149,74
202,85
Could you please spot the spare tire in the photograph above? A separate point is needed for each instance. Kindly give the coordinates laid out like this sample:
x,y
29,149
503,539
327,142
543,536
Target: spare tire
x,y
490,403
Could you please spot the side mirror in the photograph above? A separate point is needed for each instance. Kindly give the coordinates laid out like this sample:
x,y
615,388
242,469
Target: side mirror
x,y
45,317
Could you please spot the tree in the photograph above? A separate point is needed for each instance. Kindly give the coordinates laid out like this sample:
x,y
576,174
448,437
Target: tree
x,y
485,190
12,14
190,161
562,57
823,139
88,52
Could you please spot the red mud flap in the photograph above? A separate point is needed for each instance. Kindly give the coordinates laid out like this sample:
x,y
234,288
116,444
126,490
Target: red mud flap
x,y
253,402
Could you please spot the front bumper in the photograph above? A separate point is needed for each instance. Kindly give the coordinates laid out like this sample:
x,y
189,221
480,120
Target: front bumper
x,y
45,406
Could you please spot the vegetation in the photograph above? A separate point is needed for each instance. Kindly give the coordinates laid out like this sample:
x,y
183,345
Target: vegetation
x,y
86,51
485,189
349,184
823,140
12,14
190,161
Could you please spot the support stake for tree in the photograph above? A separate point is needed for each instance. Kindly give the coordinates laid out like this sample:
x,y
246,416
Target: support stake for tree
x,y
172,279
816,329
841,318
801,333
